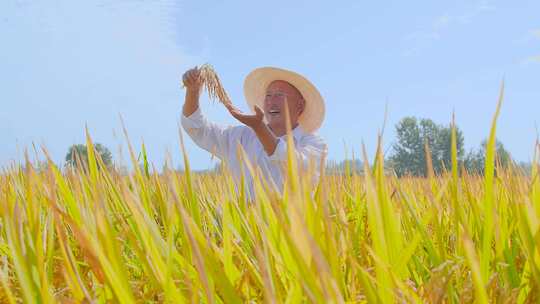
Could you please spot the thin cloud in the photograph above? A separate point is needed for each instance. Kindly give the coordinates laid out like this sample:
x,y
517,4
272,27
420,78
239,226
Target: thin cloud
x,y
420,39
536,33
533,35
68,62
530,60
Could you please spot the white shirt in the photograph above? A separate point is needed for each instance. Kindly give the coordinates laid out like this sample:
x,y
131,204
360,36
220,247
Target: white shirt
x,y
222,142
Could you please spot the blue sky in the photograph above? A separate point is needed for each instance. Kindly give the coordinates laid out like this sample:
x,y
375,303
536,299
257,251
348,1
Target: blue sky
x,y
64,64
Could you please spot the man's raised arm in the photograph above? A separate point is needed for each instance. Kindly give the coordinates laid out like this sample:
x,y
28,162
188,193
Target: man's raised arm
x,y
193,86
207,135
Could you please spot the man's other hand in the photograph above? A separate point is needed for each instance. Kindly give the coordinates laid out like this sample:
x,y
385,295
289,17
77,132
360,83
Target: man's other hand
x,y
251,120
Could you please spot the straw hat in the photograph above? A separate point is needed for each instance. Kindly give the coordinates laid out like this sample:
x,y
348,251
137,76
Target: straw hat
x,y
258,80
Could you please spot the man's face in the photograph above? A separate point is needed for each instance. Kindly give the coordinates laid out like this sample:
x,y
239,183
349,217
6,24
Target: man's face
x,y
281,94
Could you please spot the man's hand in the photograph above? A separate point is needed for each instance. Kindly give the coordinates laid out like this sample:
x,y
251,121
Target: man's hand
x,y
192,80
256,123
251,120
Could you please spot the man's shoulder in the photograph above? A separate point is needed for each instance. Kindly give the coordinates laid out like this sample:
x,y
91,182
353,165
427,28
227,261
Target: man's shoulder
x,y
313,139
312,136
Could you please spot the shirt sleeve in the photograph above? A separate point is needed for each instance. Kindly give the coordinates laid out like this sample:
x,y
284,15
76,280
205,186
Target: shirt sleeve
x,y
209,136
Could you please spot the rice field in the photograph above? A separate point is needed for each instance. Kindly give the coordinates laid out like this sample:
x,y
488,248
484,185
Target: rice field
x,y
96,236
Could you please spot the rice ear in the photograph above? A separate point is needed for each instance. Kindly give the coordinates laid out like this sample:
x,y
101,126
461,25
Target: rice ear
x,y
213,85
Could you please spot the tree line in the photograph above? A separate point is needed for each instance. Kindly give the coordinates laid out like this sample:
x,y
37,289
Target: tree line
x,y
420,142
420,139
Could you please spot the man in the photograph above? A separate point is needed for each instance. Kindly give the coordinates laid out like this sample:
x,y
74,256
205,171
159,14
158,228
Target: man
x,y
268,91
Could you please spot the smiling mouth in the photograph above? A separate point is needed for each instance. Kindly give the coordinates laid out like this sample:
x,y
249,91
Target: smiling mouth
x,y
274,112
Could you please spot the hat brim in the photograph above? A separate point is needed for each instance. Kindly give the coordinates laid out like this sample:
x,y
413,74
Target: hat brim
x,y
258,80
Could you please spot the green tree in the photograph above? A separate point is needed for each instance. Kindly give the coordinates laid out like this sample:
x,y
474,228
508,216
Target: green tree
x,y
409,155
475,160
78,154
